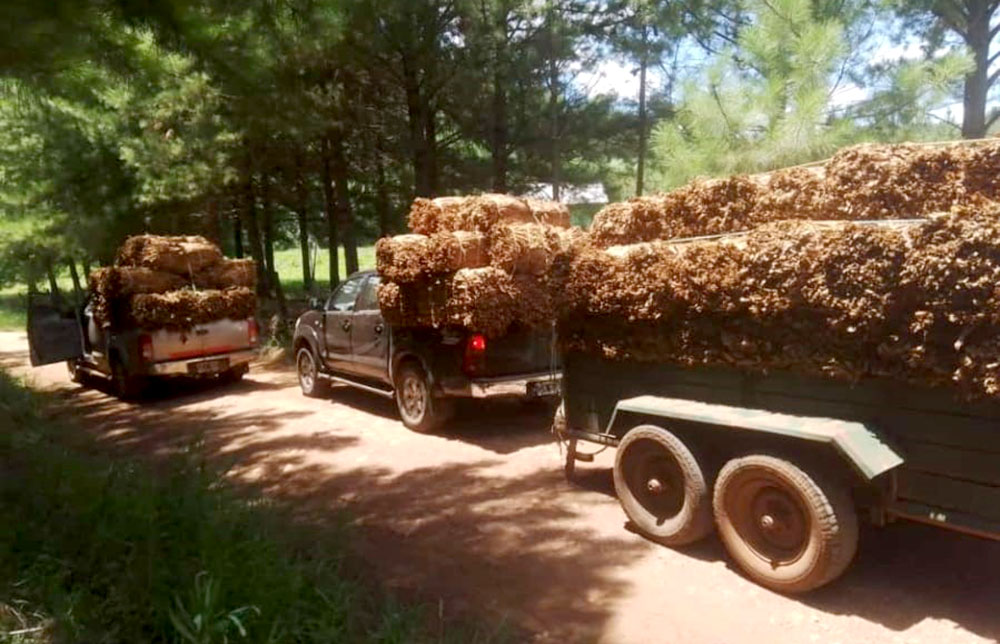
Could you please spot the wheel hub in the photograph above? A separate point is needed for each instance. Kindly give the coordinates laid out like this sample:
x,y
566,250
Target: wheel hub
x,y
782,527
654,486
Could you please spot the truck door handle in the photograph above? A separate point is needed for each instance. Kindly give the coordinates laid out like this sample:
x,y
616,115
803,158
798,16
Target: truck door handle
x,y
379,328
346,325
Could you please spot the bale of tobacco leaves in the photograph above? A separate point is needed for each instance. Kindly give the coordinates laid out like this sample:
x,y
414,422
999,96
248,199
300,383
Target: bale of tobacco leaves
x,y
183,309
863,182
918,303
407,258
183,255
227,273
478,299
171,282
482,213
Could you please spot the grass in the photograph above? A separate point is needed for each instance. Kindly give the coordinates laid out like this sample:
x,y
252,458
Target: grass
x,y
100,550
289,265
13,311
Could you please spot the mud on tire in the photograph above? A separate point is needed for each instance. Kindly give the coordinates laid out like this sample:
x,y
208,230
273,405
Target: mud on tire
x,y
662,487
787,529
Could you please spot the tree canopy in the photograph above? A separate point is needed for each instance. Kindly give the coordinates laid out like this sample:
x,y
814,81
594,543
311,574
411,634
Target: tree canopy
x,y
314,123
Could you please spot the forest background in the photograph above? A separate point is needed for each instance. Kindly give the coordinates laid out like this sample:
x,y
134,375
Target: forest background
x,y
297,132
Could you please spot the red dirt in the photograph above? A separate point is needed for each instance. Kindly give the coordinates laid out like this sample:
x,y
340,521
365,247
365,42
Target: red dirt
x,y
481,519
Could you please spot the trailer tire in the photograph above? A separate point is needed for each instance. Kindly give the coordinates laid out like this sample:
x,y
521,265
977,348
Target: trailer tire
x,y
787,529
661,487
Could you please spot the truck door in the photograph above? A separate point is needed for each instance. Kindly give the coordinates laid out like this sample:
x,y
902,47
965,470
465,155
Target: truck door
x,y
337,322
369,335
54,332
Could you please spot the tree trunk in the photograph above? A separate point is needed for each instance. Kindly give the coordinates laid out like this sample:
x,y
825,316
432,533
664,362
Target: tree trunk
x,y
553,71
55,295
385,225
330,211
253,233
86,267
417,120
343,202
213,227
977,81
640,169
75,276
500,135
237,234
267,207
301,207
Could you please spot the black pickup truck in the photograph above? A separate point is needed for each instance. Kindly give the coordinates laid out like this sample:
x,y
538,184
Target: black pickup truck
x,y
345,340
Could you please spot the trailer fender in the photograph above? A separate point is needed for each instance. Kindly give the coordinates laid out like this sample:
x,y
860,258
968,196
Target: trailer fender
x,y
856,442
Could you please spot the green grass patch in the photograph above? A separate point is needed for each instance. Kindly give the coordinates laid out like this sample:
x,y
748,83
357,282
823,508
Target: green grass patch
x,y
13,311
289,265
95,549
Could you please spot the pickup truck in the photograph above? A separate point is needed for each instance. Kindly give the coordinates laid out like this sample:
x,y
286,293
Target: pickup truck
x,y
130,357
345,340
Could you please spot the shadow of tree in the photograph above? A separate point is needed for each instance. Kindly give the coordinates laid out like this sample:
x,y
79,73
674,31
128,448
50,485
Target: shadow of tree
x,y
518,544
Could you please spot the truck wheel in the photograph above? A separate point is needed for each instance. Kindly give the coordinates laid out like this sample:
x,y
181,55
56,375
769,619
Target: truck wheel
x,y
126,386
235,374
661,487
73,367
307,369
418,408
788,530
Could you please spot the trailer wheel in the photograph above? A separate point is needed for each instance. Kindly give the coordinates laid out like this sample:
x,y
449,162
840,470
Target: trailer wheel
x,y
661,487
788,530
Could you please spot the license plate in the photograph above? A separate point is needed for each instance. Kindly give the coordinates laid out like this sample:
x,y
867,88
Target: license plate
x,y
543,388
208,366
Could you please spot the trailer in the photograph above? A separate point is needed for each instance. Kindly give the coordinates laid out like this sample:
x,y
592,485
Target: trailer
x,y
782,466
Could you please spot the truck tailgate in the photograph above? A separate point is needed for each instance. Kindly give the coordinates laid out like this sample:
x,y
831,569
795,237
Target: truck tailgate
x,y
521,351
223,336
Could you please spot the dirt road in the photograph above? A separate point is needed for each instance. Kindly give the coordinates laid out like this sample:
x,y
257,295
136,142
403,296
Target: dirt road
x,y
481,519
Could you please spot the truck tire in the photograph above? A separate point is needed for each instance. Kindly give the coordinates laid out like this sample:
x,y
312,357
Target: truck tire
x,y
307,369
126,386
75,373
661,487
234,375
788,530
418,408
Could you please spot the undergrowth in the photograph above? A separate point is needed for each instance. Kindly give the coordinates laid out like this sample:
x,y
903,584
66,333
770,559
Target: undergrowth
x,y
94,549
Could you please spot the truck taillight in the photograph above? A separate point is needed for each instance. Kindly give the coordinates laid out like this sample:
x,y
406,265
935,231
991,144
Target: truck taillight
x,y
253,332
474,360
146,347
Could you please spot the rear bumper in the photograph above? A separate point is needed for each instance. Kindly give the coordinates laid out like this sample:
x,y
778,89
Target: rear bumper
x,y
536,385
188,367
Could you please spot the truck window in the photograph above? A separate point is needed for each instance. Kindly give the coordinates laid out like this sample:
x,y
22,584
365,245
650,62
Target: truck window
x,y
344,297
369,295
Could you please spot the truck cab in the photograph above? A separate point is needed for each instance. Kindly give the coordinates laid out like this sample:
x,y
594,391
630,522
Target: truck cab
x,y
346,340
132,357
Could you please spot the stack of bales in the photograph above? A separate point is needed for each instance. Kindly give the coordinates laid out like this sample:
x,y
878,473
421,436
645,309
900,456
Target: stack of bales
x,y
172,282
914,301
481,263
864,182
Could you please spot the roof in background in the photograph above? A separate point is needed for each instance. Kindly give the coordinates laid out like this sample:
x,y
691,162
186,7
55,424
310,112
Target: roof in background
x,y
591,193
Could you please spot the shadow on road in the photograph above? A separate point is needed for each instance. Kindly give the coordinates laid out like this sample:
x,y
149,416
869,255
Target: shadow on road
x,y
903,573
515,547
